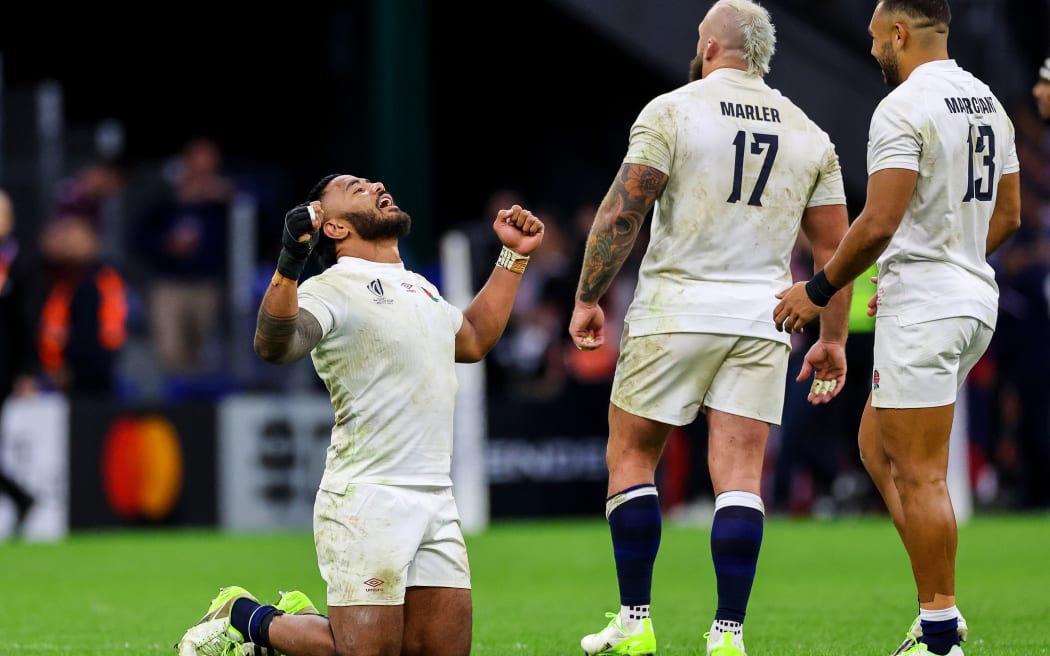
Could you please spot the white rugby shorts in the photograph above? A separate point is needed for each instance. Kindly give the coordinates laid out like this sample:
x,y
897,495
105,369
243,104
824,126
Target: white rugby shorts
x,y
923,365
672,377
373,541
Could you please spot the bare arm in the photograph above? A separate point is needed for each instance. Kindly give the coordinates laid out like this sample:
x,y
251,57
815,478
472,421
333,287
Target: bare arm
x,y
889,192
485,319
824,227
283,332
616,227
1006,217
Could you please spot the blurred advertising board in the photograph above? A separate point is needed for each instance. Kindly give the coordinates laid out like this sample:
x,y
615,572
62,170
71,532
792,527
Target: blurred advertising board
x,y
271,456
141,465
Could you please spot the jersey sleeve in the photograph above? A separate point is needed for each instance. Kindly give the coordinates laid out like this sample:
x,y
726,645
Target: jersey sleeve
x,y
651,140
455,316
894,137
313,297
1012,164
829,189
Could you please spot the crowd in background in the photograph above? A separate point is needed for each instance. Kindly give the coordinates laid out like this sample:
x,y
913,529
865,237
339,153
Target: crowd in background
x,y
84,317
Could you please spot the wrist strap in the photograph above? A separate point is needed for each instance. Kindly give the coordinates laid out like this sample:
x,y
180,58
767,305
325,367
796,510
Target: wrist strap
x,y
819,289
290,263
512,261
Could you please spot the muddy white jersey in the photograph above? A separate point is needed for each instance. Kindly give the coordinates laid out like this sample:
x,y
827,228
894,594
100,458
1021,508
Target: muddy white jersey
x,y
387,357
949,127
743,163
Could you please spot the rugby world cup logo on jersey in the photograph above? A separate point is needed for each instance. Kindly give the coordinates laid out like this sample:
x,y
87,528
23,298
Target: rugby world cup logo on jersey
x,y
376,287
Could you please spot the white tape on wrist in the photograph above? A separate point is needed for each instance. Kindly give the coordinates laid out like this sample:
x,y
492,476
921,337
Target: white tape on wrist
x,y
512,261
823,386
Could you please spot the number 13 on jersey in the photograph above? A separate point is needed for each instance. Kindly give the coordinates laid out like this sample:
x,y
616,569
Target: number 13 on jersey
x,y
982,148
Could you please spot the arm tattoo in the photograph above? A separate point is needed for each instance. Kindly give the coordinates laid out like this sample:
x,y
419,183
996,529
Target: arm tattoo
x,y
616,227
281,340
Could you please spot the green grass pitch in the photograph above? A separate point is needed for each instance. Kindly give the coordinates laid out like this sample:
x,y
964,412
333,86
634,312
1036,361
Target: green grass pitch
x,y
824,588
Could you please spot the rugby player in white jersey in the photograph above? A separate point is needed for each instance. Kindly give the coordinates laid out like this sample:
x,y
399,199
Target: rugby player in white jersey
x,y
943,193
732,170
385,343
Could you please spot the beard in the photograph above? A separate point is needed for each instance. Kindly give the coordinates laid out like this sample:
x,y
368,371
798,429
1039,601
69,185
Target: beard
x,y
696,68
891,70
374,226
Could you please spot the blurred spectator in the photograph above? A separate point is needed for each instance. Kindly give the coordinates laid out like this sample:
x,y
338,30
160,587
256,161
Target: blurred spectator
x,y
16,336
82,324
182,237
93,192
19,287
86,192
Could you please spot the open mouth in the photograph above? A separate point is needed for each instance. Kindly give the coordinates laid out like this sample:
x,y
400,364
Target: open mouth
x,y
385,202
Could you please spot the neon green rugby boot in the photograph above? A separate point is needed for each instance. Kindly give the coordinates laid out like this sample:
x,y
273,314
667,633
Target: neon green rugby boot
x,y
614,640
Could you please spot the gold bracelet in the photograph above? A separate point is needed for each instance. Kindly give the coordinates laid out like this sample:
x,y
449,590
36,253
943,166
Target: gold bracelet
x,y
512,261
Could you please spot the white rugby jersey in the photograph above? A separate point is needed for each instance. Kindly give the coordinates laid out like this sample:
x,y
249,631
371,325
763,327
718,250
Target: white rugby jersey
x,y
743,164
947,125
387,356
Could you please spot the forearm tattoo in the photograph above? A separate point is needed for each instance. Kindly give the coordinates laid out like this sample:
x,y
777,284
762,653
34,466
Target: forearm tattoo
x,y
616,226
286,339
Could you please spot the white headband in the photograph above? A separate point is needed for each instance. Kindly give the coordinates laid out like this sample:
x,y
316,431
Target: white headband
x,y
1044,72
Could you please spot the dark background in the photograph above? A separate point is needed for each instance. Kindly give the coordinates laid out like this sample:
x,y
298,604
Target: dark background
x,y
444,102
526,97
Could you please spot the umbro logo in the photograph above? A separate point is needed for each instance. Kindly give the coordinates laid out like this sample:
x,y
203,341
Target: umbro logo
x,y
374,584
376,287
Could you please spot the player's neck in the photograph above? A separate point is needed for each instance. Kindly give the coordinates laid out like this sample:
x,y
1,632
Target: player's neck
x,y
383,251
724,62
921,57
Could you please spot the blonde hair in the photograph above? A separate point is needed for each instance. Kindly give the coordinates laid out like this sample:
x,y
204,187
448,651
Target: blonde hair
x,y
758,33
